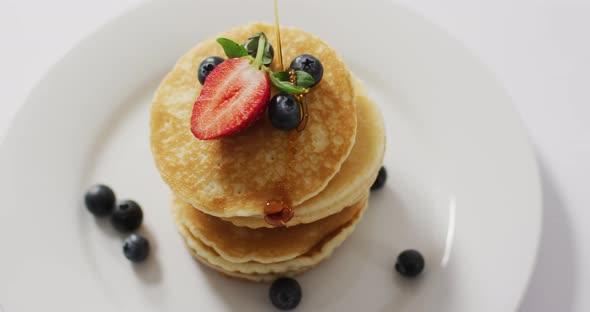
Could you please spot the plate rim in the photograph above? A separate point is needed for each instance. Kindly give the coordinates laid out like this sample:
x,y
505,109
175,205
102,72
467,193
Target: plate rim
x,y
27,104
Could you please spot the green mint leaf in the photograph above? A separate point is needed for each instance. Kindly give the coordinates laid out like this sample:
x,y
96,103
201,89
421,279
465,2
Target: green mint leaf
x,y
283,76
304,79
285,86
252,48
231,48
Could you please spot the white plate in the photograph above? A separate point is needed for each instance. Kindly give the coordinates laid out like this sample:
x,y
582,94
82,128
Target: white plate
x,y
463,186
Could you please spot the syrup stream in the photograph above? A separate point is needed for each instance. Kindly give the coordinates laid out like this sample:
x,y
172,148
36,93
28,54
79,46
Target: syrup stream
x,y
279,212
278,30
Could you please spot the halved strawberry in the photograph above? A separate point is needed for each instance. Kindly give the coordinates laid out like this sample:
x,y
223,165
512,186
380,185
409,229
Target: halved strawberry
x,y
234,95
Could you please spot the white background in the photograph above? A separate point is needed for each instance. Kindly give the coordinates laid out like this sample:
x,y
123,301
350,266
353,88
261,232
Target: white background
x,y
539,50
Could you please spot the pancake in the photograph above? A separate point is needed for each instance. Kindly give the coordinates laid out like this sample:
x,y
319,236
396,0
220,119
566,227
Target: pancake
x,y
253,277
264,245
235,176
266,272
354,178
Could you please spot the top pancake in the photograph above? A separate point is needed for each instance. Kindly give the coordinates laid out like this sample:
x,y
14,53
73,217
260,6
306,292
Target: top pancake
x,y
235,176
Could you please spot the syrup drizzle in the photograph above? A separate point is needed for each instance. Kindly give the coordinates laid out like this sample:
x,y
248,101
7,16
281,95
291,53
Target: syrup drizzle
x,y
304,116
292,78
278,30
278,212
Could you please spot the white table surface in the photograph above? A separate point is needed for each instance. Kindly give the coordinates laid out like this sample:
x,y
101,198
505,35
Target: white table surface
x,y
539,50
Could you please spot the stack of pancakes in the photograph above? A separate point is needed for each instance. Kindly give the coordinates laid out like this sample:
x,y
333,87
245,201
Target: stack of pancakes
x,y
221,186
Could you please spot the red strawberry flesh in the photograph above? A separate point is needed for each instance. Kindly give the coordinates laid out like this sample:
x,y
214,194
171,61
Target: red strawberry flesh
x,y
234,95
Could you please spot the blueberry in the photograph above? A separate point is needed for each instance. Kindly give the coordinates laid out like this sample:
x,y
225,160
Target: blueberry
x,y
309,64
207,66
136,248
284,111
409,263
380,181
253,49
285,293
127,216
100,200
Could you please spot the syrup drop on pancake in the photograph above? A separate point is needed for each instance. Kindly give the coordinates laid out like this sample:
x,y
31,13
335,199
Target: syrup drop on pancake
x,y
277,212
